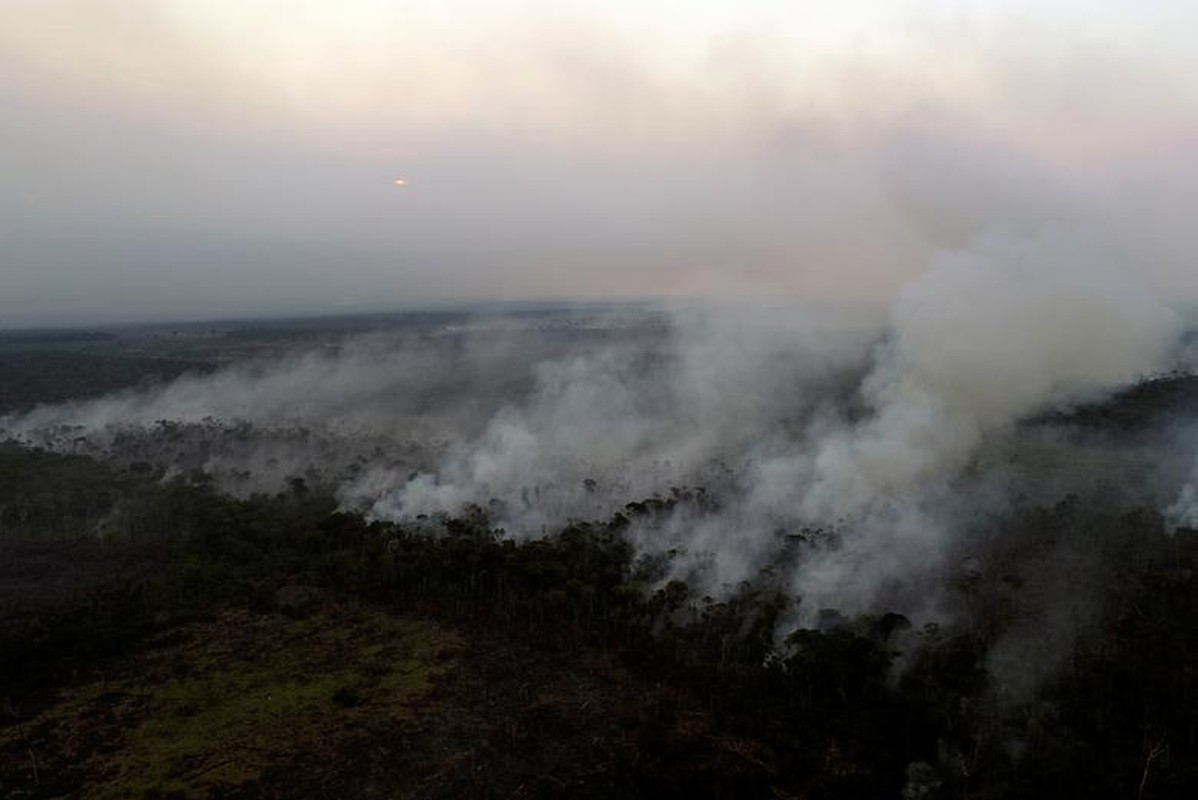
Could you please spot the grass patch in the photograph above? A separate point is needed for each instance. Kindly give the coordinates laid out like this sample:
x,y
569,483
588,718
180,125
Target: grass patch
x,y
214,705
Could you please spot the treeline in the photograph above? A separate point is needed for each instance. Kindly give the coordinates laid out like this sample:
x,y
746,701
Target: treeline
x,y
866,707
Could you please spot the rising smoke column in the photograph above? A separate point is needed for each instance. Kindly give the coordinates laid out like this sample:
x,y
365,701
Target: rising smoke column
x,y
989,336
787,416
1183,513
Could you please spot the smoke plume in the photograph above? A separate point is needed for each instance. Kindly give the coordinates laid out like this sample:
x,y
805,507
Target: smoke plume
x,y
852,453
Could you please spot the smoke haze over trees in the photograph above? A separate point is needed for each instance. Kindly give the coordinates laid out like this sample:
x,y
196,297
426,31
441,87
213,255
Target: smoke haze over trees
x,y
883,445
761,399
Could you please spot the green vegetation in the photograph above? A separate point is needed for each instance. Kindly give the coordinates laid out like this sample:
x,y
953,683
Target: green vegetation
x,y
214,705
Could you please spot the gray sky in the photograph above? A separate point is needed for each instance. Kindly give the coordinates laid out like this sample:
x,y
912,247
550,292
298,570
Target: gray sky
x,y
200,158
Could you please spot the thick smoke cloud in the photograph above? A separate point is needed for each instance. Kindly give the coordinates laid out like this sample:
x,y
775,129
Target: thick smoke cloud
x,y
873,441
726,383
1183,513
987,338
856,446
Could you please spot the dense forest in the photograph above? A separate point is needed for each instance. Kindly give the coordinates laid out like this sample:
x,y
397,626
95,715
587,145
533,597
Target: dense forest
x,y
577,668
181,616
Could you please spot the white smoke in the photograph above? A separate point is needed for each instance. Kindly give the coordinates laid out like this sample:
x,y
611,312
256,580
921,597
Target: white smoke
x,y
1183,513
342,408
986,338
857,430
989,336
626,423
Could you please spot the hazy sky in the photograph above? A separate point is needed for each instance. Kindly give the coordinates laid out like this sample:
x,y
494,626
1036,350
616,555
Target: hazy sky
x,y
199,158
